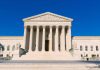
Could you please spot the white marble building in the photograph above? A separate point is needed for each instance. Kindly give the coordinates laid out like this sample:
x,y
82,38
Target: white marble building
x,y
47,36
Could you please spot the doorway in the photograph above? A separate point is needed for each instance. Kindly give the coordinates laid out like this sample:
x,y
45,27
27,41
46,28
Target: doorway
x,y
46,45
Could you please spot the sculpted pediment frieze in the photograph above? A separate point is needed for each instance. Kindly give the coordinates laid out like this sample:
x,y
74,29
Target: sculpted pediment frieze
x,y
48,17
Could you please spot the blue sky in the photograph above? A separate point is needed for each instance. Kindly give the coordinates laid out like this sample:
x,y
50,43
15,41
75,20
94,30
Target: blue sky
x,y
86,15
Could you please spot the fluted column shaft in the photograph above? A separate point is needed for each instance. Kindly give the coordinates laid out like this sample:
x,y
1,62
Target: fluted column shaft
x,y
37,38
63,39
43,39
25,38
56,39
68,38
31,37
50,37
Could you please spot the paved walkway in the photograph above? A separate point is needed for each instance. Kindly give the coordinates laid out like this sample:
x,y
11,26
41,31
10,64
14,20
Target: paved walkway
x,y
50,61
49,65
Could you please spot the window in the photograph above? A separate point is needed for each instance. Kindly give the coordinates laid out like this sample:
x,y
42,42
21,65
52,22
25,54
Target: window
x,y
7,55
12,55
8,48
91,48
81,48
93,56
1,55
0,49
13,48
97,55
97,48
86,55
81,55
19,45
86,48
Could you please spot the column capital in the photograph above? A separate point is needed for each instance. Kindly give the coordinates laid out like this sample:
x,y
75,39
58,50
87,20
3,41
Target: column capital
x,y
31,26
25,26
57,26
50,26
63,26
37,26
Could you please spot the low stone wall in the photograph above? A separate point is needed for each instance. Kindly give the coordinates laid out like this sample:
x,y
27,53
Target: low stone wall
x,y
48,65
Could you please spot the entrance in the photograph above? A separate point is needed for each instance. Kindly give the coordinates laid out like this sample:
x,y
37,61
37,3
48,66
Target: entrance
x,y
46,45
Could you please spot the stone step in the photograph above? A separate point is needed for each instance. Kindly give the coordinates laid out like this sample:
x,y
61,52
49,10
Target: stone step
x,y
47,56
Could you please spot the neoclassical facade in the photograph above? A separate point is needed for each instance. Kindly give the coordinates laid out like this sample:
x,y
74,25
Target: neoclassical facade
x,y
47,32
47,36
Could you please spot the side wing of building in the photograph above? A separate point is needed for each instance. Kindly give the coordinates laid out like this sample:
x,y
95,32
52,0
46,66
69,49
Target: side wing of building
x,y
86,47
9,45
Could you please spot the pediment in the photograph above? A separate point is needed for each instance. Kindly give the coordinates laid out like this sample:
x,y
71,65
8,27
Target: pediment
x,y
47,17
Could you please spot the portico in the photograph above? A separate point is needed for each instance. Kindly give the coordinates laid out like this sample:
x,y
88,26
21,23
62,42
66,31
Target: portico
x,y
47,33
46,38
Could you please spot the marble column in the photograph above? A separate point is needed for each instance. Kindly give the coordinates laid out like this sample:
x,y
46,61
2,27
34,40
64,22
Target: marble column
x,y
63,39
50,37
43,39
37,39
56,39
31,37
68,38
25,38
